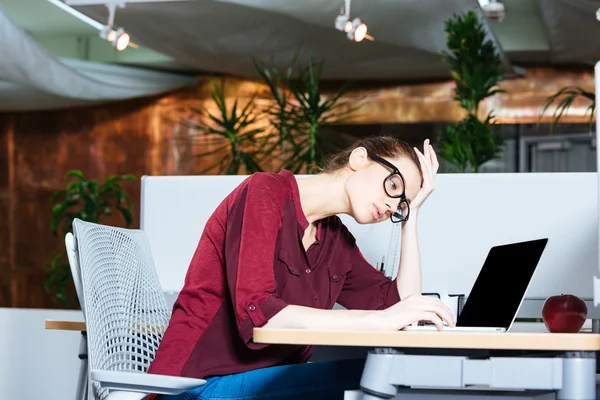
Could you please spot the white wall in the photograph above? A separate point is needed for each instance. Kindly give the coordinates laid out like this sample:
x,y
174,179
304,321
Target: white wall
x,y
36,363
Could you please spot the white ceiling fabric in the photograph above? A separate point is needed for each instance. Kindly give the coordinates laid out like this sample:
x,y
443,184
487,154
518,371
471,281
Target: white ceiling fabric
x,y
224,35
33,79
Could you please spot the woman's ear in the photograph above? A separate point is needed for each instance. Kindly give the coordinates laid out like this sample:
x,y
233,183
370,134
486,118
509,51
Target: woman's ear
x,y
358,158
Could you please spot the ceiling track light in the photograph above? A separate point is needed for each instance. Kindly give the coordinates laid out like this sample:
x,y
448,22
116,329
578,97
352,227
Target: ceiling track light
x,y
493,10
119,38
105,30
355,29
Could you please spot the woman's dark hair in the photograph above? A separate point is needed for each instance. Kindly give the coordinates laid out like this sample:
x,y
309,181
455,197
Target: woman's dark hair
x,y
382,146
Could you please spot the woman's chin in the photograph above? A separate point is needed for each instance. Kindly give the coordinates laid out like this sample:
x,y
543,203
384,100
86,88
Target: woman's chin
x,y
366,219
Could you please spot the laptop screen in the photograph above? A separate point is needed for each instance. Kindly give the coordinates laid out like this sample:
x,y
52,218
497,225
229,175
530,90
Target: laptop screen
x,y
501,284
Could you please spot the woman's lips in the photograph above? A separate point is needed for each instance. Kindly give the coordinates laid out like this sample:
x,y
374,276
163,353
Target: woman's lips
x,y
376,212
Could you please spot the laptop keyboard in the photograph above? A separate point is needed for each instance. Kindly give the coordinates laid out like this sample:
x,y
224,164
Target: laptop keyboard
x,y
429,323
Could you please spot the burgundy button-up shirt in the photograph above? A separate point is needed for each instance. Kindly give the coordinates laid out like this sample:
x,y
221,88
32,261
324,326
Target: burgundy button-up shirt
x,y
250,263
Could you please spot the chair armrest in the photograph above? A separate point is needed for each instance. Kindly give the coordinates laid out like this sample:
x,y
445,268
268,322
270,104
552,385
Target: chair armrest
x,y
144,383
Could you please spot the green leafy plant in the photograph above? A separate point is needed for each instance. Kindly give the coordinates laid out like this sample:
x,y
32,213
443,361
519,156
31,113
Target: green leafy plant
x,y
287,124
232,134
482,146
88,200
300,113
566,97
475,67
278,109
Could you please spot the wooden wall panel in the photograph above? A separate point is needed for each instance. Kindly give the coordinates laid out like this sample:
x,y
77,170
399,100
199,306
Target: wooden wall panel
x,y
100,141
5,245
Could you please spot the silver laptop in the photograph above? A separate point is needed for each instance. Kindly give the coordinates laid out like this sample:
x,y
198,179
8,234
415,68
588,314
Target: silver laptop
x,y
499,291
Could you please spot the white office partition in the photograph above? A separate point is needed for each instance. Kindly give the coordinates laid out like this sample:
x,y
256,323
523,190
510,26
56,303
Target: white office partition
x,y
465,216
174,210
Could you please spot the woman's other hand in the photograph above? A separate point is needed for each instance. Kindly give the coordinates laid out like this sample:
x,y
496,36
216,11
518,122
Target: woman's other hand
x,y
412,310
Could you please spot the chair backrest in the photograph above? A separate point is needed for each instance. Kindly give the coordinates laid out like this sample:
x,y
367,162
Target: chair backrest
x,y
126,312
71,246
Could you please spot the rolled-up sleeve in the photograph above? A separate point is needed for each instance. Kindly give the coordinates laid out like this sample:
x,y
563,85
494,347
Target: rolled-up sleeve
x,y
365,288
253,224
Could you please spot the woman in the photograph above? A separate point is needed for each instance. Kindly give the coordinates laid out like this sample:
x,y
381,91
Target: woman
x,y
274,254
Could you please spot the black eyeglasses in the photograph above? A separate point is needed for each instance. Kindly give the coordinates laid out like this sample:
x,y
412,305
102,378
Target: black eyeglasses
x,y
394,187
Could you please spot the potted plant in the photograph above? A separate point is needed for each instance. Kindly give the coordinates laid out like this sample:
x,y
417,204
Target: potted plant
x,y
88,200
299,113
475,67
231,134
284,125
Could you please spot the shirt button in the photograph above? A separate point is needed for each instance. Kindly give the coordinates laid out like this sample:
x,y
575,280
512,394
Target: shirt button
x,y
251,308
316,297
307,270
334,276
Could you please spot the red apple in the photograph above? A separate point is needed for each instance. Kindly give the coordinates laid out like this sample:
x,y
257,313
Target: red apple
x,y
564,314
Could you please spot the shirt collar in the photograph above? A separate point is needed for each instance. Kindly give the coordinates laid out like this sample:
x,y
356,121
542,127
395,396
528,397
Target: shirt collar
x,y
293,183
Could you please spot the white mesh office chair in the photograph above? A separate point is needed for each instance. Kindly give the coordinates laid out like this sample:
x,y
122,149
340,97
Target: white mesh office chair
x,y
82,381
125,312
71,247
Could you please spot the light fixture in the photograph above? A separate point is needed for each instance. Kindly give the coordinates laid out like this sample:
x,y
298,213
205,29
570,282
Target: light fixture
x,y
341,23
493,10
120,41
119,38
356,30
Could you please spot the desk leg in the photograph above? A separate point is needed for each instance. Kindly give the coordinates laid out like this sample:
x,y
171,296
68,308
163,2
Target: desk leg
x,y
82,381
374,382
579,376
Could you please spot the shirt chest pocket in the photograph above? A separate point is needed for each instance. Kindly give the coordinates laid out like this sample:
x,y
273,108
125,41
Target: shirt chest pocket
x,y
287,274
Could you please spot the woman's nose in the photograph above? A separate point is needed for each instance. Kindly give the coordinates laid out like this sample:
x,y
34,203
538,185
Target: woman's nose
x,y
390,207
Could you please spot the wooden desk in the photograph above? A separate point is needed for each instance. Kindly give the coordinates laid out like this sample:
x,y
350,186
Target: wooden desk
x,y
561,363
502,341
54,324
431,340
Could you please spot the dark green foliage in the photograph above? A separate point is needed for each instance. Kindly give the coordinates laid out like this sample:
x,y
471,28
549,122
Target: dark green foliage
x,y
476,70
567,96
300,113
232,132
88,200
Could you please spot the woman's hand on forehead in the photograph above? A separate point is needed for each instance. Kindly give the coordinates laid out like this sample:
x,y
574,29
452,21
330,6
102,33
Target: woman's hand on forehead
x,y
429,166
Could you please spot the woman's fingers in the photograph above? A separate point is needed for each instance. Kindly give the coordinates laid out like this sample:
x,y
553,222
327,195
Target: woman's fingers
x,y
441,309
434,160
425,165
429,154
446,315
434,318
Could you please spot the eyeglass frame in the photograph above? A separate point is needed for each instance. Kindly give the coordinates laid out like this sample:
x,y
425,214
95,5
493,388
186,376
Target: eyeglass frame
x,y
402,196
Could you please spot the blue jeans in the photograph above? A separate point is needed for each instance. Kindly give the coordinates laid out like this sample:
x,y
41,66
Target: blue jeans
x,y
313,381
